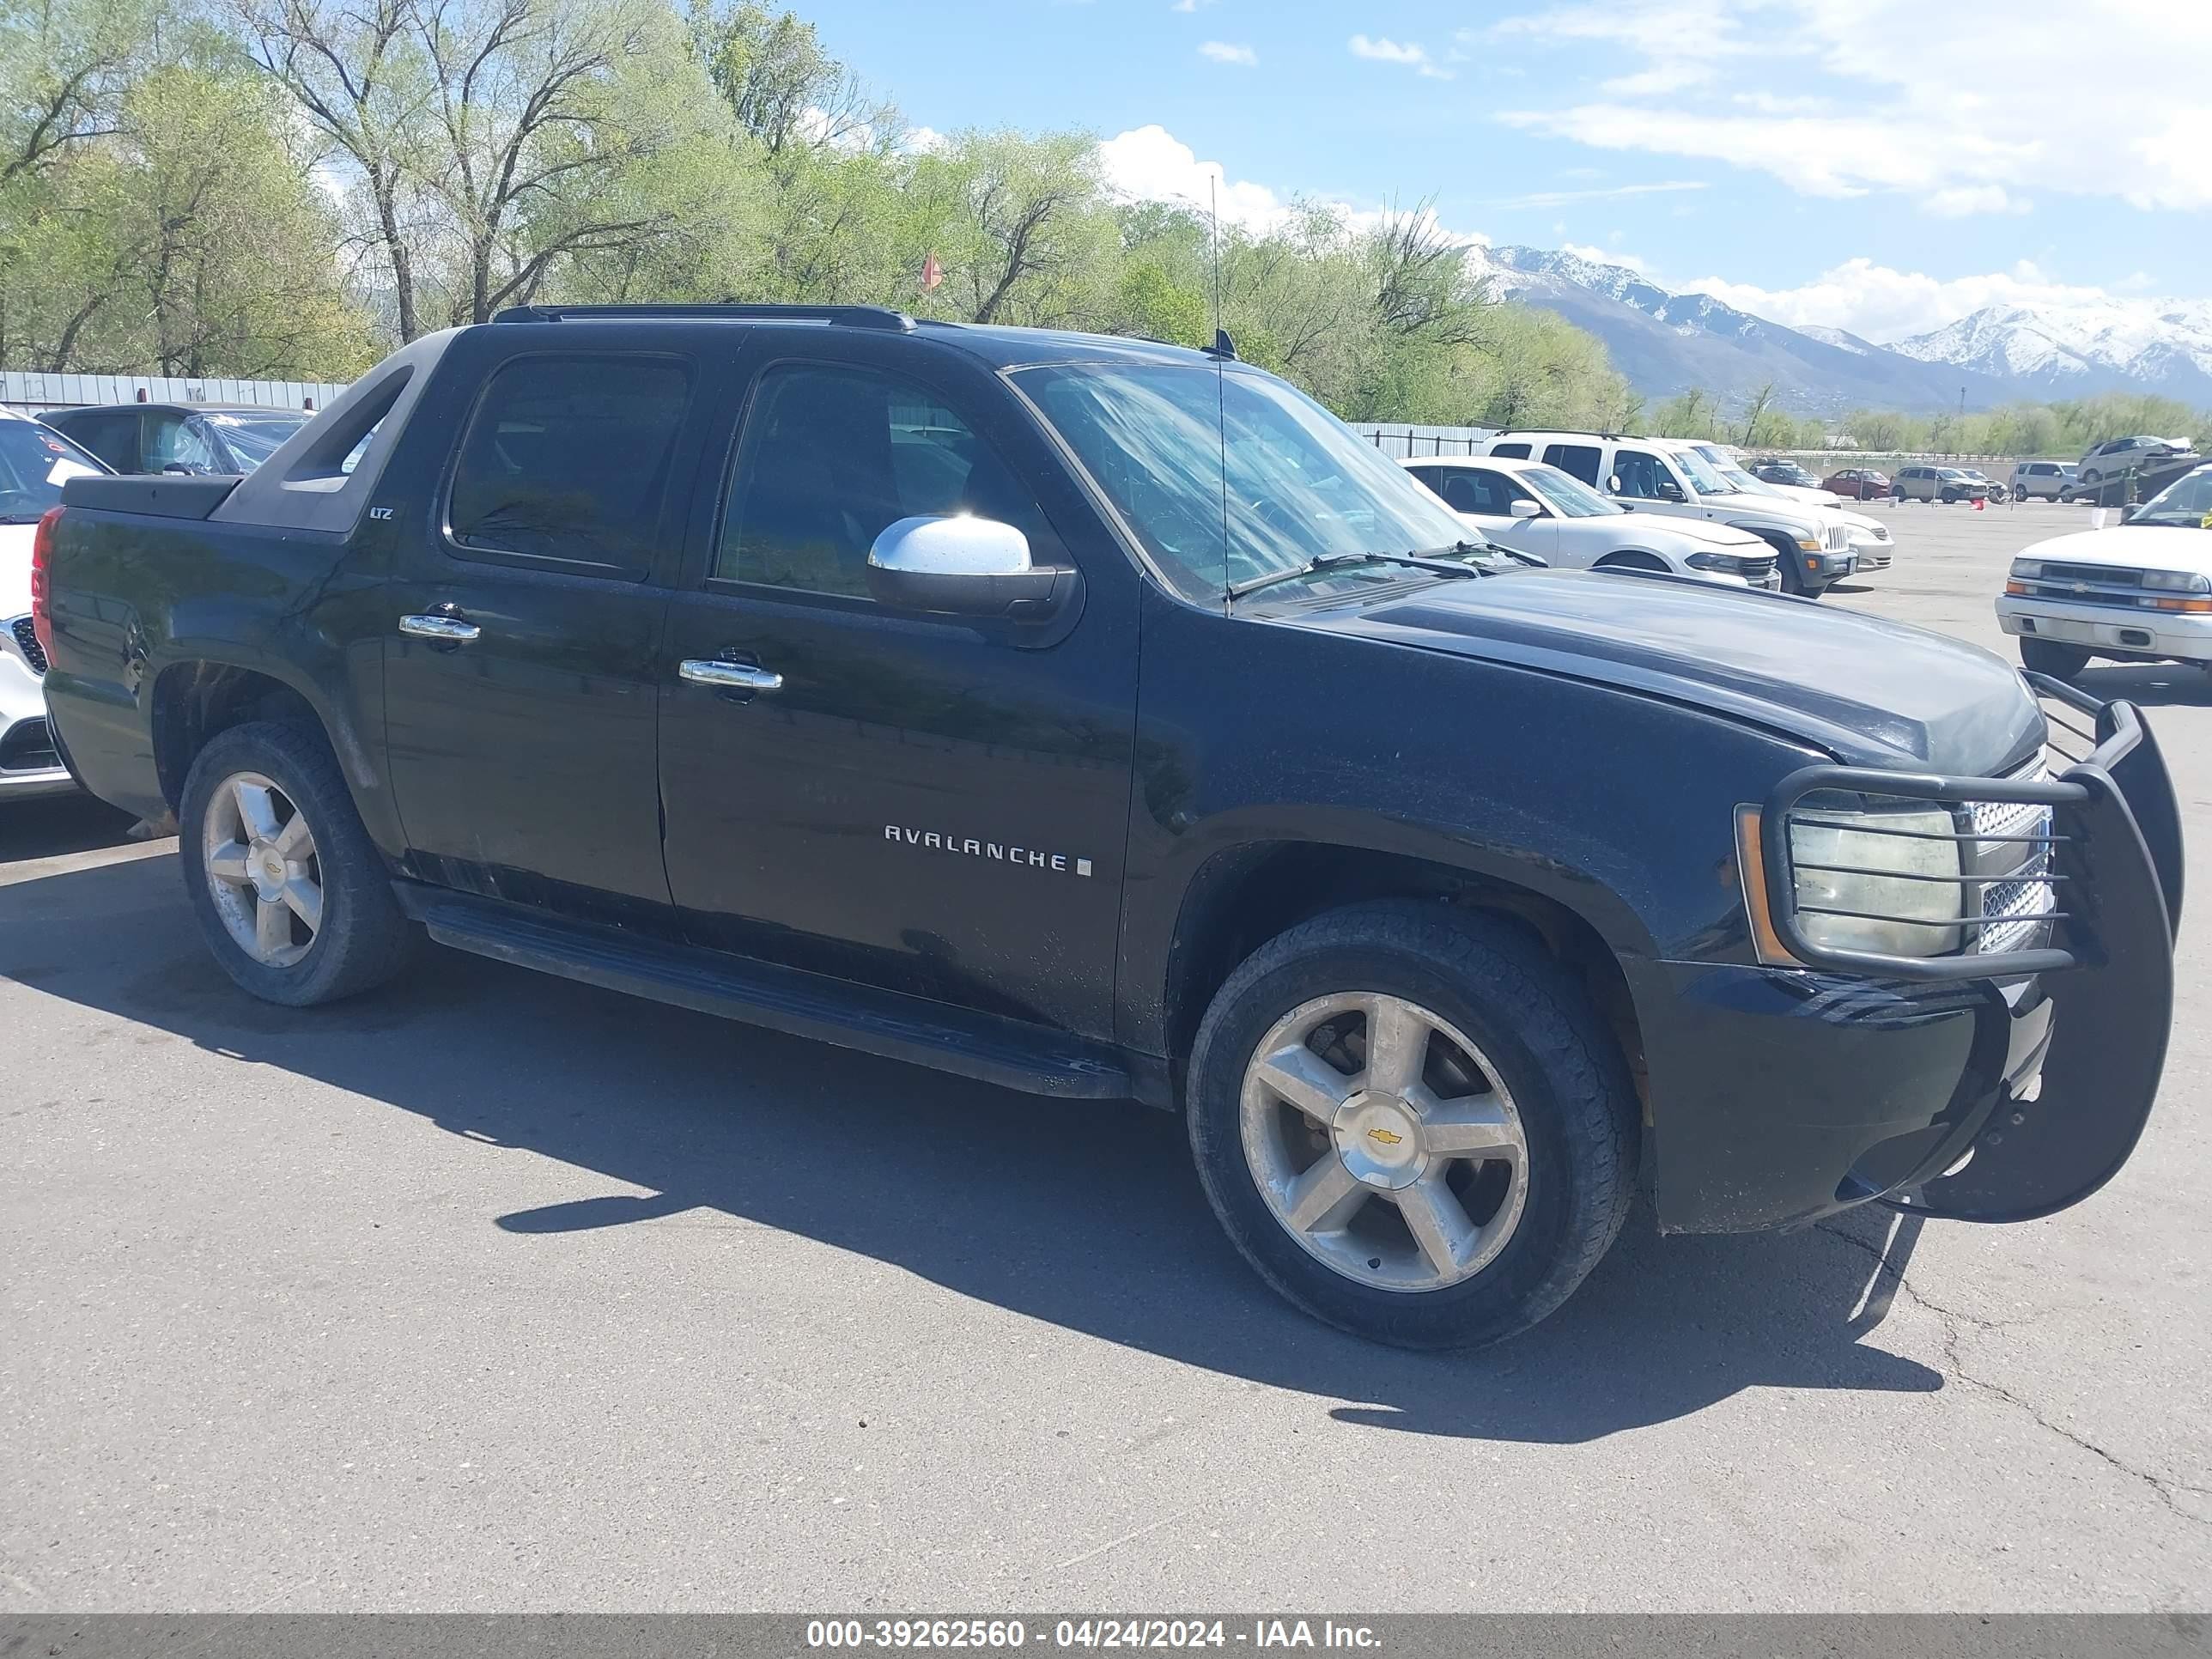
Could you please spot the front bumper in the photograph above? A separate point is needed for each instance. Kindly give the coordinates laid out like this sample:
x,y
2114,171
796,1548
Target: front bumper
x,y
1993,1087
2103,628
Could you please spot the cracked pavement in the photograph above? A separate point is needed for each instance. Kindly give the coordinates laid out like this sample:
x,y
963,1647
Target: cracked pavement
x,y
497,1292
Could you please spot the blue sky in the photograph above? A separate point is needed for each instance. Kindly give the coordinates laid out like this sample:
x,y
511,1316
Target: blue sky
x,y
1881,165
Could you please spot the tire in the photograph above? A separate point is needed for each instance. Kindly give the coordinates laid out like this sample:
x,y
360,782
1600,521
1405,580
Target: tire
x,y
2091,479
352,935
1950,497
1785,560
1564,1087
2066,497
1897,495
2048,657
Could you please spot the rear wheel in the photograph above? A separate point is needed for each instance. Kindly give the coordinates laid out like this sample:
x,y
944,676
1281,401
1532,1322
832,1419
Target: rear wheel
x,y
293,897
2050,657
1411,1125
2092,478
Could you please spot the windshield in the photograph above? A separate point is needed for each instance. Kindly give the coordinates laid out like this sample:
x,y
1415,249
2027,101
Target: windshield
x,y
1949,472
1228,477
35,461
254,438
2186,500
1566,495
1703,476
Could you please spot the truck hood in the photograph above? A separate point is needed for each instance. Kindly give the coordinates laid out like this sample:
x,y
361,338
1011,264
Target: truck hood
x,y
2136,546
1743,507
1810,495
1870,692
1709,532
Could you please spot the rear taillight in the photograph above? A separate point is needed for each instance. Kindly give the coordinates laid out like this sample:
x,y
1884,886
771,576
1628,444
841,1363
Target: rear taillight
x,y
42,554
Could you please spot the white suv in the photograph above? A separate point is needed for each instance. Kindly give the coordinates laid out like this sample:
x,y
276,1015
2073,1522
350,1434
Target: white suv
x,y
2140,591
1651,475
1538,509
35,460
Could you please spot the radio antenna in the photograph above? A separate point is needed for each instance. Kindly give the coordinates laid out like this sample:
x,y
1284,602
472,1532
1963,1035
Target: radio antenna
x,y
1221,352
1213,202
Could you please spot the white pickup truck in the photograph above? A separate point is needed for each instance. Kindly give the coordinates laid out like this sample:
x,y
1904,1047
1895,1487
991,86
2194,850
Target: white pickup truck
x,y
2139,592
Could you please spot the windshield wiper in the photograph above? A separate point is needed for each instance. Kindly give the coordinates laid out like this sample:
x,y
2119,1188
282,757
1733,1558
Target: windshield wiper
x,y
1321,564
1498,550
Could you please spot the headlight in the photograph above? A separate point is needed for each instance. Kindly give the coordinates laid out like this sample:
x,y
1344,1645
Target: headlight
x,y
1900,874
1726,563
2028,570
2179,579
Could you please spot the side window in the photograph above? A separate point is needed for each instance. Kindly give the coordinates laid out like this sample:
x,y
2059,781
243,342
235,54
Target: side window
x,y
830,455
1494,492
1461,490
1579,460
1510,451
569,458
111,434
1431,477
1639,474
174,441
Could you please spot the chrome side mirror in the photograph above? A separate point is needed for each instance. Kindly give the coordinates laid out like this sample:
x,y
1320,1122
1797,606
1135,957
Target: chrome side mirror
x,y
965,566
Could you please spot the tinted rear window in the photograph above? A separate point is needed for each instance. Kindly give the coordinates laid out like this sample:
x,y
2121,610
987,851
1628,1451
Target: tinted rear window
x,y
567,457
1579,460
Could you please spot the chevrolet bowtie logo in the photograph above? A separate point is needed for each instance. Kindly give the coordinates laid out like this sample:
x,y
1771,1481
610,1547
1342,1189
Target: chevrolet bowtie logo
x,y
1388,1137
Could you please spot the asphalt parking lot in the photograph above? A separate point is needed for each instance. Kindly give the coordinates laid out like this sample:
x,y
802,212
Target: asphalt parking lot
x,y
493,1292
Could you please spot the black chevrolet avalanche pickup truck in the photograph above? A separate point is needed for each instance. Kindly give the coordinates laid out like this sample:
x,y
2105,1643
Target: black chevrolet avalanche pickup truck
x,y
1103,719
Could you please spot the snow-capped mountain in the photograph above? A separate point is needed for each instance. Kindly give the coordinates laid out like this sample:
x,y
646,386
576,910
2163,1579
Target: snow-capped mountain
x,y
2162,346
1666,342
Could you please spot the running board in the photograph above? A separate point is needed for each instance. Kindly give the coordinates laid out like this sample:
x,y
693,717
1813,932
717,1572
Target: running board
x,y
1008,1053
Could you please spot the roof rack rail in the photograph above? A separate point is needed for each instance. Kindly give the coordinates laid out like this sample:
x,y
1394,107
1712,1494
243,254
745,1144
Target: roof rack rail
x,y
875,317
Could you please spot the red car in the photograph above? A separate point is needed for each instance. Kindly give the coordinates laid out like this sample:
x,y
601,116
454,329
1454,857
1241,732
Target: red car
x,y
1861,484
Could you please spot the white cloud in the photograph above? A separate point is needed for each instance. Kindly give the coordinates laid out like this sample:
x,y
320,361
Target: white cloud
x,y
1221,52
1151,164
1885,304
1959,201
1380,49
1544,198
1820,94
1189,5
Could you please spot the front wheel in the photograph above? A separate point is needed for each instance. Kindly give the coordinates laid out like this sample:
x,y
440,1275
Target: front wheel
x,y
1411,1125
2092,478
293,897
2061,662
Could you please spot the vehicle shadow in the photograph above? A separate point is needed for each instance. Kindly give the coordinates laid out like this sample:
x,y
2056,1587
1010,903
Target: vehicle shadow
x,y
53,826
1088,1216
2152,684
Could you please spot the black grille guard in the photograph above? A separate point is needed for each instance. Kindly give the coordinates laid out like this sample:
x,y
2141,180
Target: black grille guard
x,y
2115,839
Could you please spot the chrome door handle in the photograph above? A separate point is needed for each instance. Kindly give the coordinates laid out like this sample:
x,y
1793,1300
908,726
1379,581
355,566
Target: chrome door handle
x,y
729,676
448,629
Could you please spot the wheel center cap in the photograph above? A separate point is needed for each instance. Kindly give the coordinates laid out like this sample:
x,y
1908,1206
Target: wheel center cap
x,y
1378,1136
266,865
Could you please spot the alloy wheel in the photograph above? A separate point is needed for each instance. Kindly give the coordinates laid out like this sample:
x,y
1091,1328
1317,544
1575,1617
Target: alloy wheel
x,y
1384,1141
263,872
